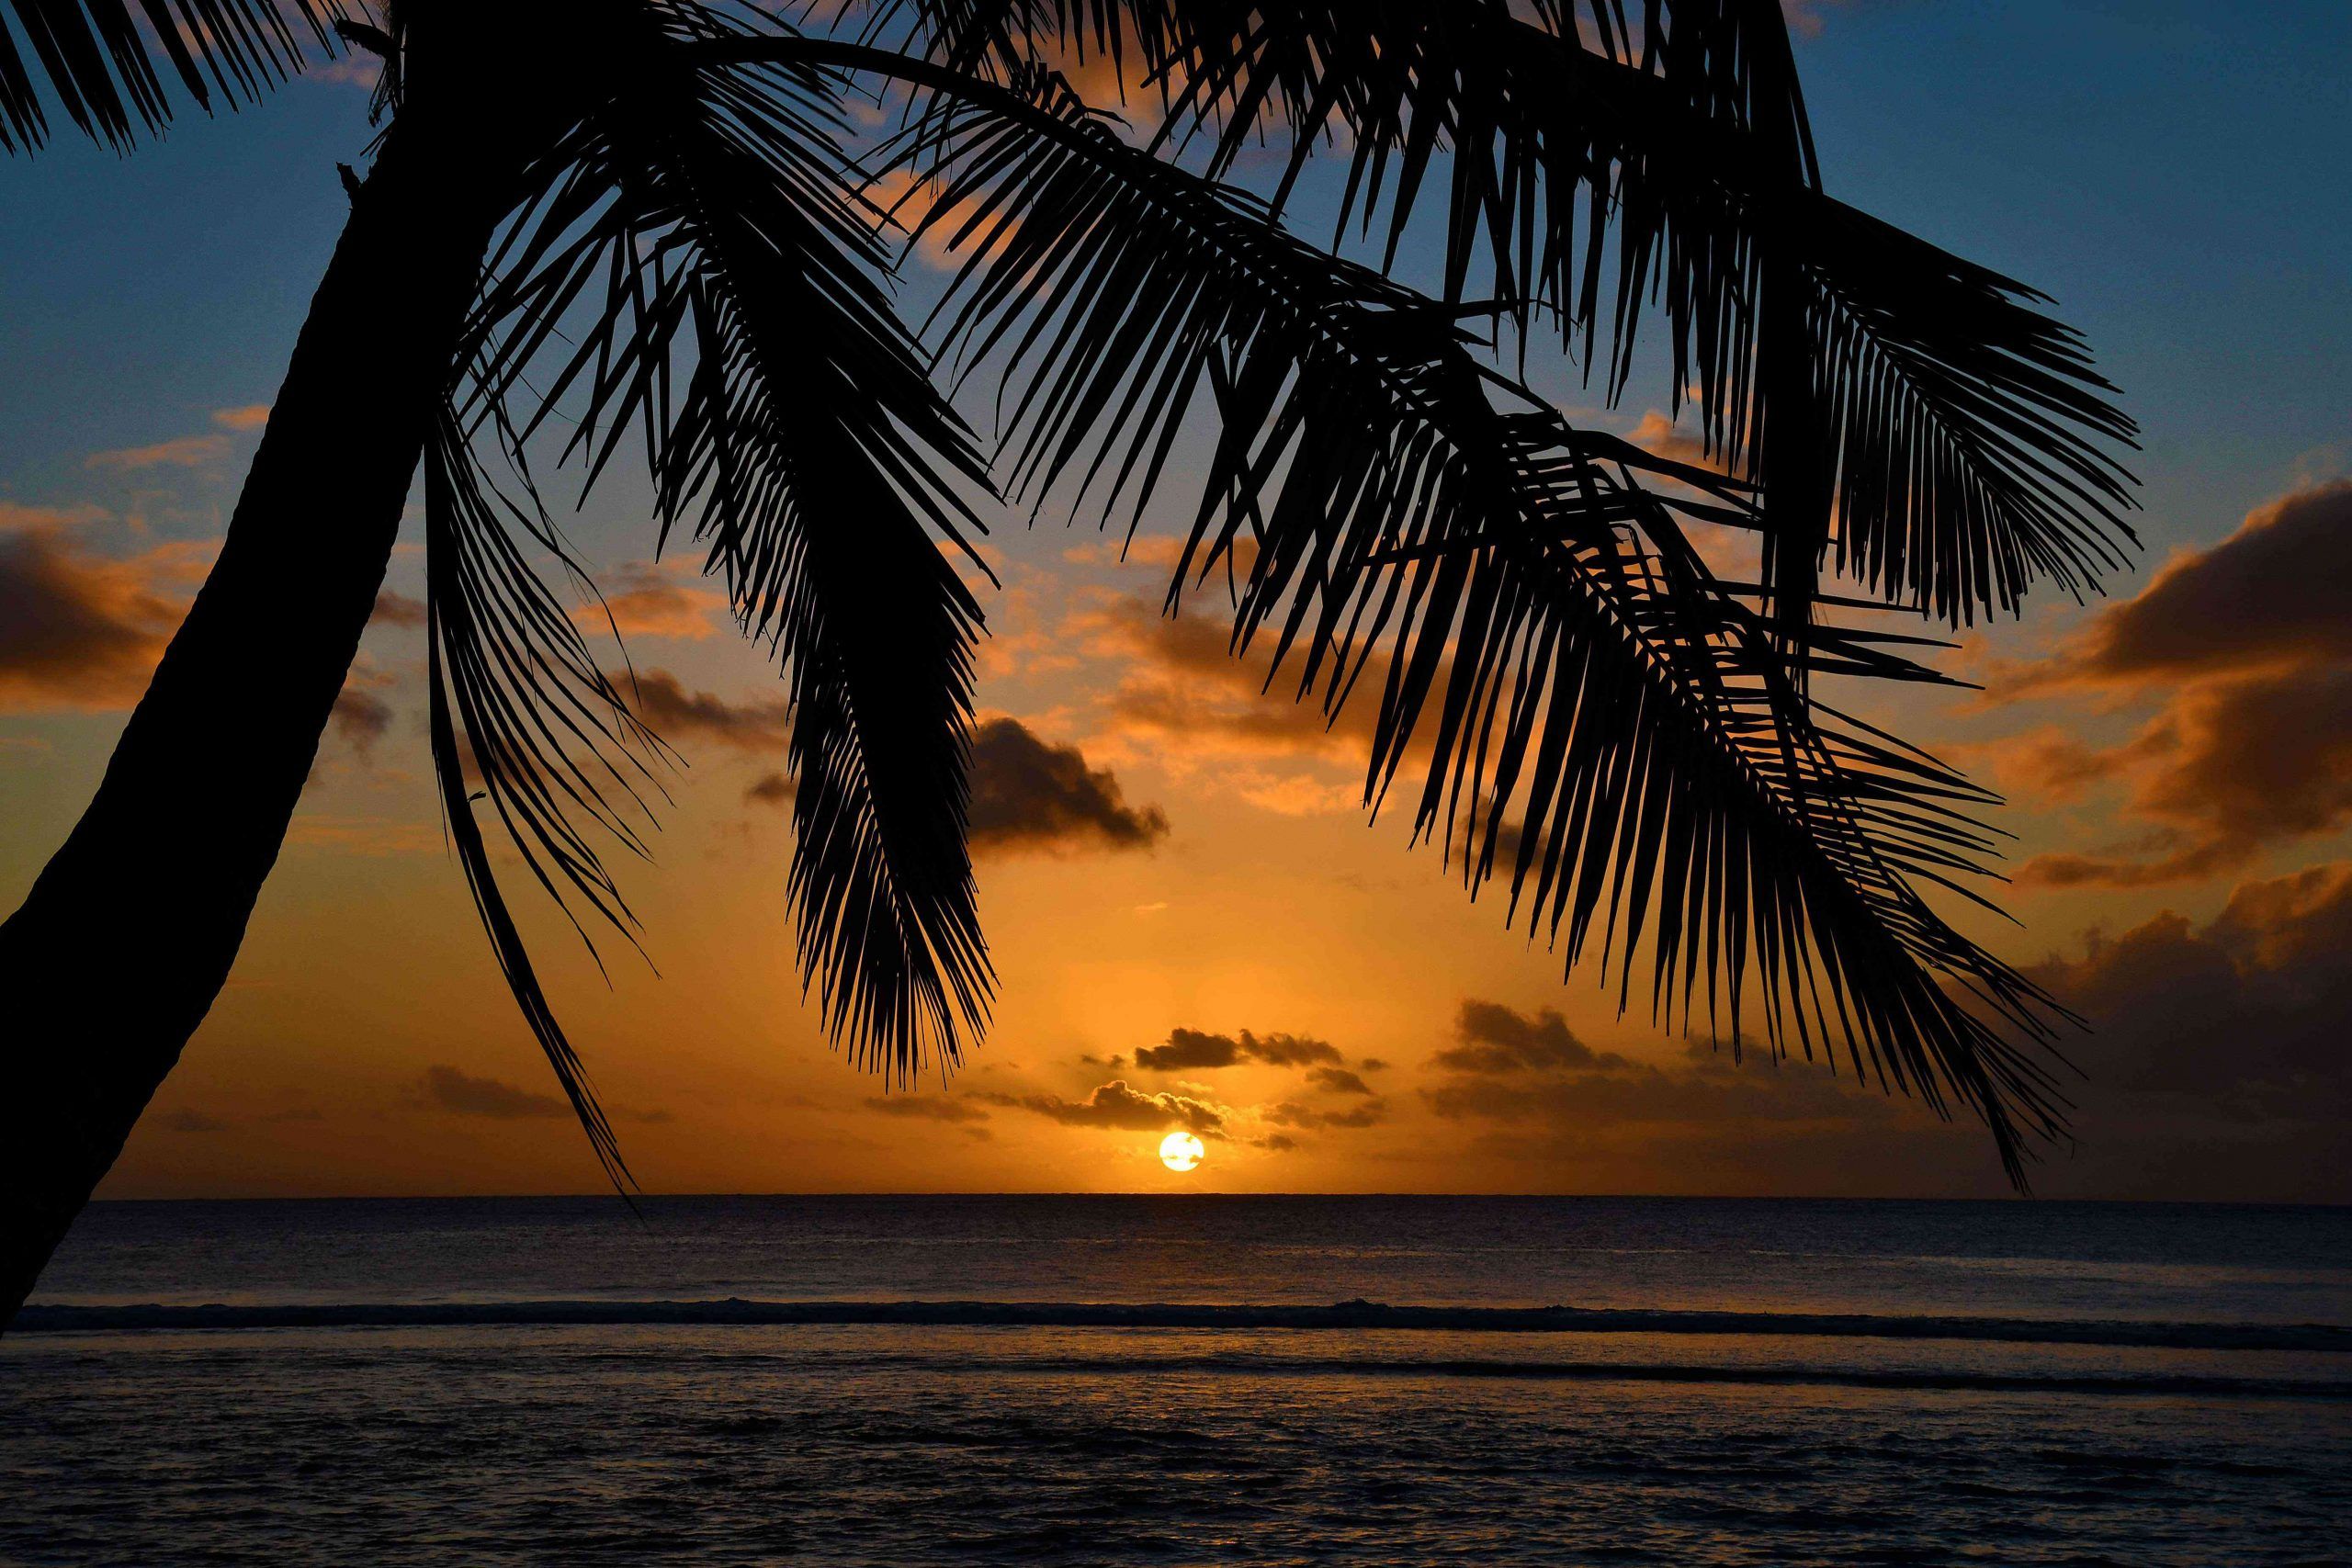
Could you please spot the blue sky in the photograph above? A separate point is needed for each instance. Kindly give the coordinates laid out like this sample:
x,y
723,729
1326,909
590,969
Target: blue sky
x,y
2171,172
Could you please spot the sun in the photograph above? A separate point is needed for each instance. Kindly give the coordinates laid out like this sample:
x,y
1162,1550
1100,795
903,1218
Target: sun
x,y
1181,1151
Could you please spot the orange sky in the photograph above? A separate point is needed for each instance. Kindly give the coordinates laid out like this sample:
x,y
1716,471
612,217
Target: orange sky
x,y
1376,1031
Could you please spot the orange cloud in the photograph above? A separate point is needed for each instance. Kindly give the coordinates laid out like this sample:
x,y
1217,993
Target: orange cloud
x,y
181,452
1114,1105
648,599
398,610
2270,596
82,630
251,416
2247,647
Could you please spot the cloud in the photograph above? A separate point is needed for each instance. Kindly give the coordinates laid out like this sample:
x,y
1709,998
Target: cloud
x,y
251,416
1186,688
82,630
652,601
770,789
370,836
1495,1038
1289,1113
1190,1049
2247,649
1807,18
397,610
1658,436
180,451
1163,551
16,515
926,1106
359,716
190,1120
2270,596
2227,768
1116,1105
1029,794
903,204
1185,703
2217,1066
1529,1068
1338,1080
465,1095
674,713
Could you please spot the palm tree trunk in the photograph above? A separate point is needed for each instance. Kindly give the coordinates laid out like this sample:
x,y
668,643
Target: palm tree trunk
x,y
130,932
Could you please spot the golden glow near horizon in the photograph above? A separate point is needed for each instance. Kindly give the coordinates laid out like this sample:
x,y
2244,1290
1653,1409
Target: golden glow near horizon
x,y
1181,1151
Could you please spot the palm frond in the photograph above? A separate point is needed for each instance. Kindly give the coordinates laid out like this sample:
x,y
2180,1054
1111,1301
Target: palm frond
x,y
707,226
1684,144
514,693
101,61
1543,628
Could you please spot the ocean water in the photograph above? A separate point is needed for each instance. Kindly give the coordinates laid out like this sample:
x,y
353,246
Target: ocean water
x,y
1177,1380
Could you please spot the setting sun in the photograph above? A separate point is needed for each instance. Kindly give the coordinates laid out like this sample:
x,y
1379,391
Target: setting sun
x,y
1181,1151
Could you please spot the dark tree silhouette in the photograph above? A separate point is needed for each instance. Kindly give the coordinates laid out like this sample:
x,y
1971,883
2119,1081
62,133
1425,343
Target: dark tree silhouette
x,y
652,215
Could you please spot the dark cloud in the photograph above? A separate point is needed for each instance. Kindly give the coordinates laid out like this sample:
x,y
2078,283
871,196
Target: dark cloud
x,y
926,1106
361,717
1277,1143
2232,1034
2247,647
2270,594
2229,767
1114,1104
1338,1080
1289,1113
1028,794
770,789
397,610
466,1095
1194,1049
2215,1069
82,630
1710,1094
1707,1121
675,714
190,1120
1495,1038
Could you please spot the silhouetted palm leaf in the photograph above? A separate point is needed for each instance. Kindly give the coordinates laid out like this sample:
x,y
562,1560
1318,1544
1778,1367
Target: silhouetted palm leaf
x,y
98,59
710,225
1542,621
1951,447
513,690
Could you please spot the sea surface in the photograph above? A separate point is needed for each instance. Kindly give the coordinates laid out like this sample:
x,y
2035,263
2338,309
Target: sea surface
x,y
1183,1381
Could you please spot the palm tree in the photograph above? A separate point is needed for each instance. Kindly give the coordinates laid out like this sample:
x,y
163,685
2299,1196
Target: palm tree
x,y
651,214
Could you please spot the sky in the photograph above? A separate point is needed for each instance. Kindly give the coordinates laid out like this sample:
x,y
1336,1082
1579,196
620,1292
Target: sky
x,y
1191,922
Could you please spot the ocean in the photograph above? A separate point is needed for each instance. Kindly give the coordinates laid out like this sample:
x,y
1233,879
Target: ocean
x,y
1289,1380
